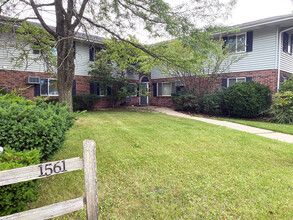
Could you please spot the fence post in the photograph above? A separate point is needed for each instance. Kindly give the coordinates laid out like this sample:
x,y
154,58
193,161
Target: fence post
x,y
90,178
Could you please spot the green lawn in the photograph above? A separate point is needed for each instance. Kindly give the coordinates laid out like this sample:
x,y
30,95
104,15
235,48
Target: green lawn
x,y
283,128
154,166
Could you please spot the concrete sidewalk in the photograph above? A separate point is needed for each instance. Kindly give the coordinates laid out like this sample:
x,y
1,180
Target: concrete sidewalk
x,y
261,132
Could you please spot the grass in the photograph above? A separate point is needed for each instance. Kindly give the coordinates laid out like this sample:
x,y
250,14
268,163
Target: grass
x,y
283,128
154,166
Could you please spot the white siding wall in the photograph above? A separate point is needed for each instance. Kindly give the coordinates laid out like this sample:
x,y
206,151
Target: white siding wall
x,y
263,55
82,58
7,51
286,60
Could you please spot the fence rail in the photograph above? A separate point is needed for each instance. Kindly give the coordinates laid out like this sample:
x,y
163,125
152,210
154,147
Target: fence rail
x,y
88,163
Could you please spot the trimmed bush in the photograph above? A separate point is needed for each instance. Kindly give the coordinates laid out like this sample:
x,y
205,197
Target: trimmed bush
x,y
247,100
282,108
84,102
187,102
214,104
25,125
14,197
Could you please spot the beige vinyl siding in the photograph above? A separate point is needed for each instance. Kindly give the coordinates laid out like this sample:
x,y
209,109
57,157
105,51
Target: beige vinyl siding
x,y
82,58
286,60
7,51
263,55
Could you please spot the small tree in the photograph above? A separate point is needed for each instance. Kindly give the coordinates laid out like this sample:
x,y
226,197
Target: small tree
x,y
114,63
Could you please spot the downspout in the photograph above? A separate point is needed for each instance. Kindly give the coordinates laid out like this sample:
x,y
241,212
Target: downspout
x,y
279,57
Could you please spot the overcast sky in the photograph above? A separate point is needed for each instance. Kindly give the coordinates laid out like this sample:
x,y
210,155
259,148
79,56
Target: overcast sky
x,y
250,10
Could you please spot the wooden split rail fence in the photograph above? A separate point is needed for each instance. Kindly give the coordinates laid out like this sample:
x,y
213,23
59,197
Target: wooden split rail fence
x,y
88,163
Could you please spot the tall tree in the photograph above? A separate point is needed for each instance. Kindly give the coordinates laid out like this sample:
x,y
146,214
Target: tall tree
x,y
113,17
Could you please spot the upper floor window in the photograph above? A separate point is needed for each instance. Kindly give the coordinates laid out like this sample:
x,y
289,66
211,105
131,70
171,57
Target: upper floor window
x,y
49,87
93,51
287,42
237,43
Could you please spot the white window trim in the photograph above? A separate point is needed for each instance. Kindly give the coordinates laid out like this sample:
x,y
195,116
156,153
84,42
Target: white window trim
x,y
162,88
48,87
237,78
245,41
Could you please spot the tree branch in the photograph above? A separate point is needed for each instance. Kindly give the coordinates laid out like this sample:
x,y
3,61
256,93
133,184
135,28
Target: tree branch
x,y
45,26
80,14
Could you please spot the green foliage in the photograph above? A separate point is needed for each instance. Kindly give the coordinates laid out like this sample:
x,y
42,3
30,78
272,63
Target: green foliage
x,y
214,104
187,102
84,102
3,91
37,39
14,197
282,107
247,100
26,125
287,85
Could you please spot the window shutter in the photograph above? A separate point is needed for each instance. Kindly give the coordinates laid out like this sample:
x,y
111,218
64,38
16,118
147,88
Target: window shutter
x,y
138,90
285,42
97,88
291,49
248,79
173,89
92,88
177,90
92,53
74,87
74,49
224,83
249,41
154,89
37,90
109,91
225,39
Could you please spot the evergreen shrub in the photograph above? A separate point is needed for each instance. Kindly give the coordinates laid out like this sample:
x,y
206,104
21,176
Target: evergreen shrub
x,y
247,100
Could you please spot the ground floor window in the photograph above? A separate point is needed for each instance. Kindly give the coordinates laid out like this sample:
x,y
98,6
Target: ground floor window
x,y
232,81
166,89
49,87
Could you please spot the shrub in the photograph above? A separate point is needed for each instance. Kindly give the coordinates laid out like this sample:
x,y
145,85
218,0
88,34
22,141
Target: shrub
x,y
26,125
14,197
287,85
187,102
247,100
214,104
3,91
282,108
84,102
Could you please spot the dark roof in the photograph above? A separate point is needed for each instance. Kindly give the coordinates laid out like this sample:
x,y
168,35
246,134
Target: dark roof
x,y
263,21
78,35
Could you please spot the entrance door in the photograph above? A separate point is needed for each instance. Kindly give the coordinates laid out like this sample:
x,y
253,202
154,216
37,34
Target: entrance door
x,y
143,90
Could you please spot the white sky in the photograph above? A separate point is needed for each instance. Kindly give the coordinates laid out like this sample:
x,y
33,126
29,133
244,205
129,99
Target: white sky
x,y
250,10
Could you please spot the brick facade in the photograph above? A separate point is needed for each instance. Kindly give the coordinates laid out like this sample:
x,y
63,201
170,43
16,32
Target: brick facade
x,y
11,80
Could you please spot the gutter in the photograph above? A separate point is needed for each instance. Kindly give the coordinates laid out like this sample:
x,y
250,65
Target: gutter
x,y
279,57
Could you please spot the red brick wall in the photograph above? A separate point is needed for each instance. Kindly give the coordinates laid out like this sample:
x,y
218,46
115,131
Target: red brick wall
x,y
11,80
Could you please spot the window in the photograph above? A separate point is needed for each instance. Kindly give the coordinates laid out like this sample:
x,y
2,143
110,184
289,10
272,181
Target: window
x,y
287,42
166,89
49,87
237,43
93,50
232,81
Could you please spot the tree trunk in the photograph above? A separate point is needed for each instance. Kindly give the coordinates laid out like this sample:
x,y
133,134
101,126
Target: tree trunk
x,y
65,71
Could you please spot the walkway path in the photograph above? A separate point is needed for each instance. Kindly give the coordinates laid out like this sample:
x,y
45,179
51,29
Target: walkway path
x,y
258,131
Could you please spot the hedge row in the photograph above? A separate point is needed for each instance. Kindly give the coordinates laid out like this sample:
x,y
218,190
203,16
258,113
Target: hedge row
x,y
30,132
